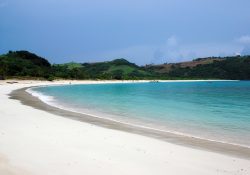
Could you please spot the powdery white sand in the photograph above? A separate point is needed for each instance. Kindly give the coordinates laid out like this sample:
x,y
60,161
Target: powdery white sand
x,y
36,142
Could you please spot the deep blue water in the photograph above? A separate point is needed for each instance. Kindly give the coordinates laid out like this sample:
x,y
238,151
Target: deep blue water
x,y
212,110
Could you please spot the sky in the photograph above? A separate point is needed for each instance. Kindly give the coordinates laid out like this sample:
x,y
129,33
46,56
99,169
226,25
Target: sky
x,y
141,31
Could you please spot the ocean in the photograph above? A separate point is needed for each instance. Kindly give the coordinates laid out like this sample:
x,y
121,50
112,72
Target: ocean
x,y
213,110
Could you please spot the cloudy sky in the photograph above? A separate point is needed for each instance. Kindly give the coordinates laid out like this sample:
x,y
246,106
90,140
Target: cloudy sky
x,y
142,31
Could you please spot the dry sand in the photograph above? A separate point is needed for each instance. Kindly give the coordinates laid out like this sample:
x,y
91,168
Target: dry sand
x,y
34,141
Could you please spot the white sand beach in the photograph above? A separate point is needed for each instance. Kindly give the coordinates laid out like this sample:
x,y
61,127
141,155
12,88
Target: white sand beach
x,y
35,142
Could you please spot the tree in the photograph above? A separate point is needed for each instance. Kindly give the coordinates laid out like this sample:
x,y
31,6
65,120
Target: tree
x,y
117,74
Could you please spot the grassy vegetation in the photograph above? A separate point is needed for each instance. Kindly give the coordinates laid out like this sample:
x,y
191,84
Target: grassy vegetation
x,y
237,68
71,65
25,65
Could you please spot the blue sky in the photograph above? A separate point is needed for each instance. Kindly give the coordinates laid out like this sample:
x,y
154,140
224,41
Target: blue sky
x,y
142,31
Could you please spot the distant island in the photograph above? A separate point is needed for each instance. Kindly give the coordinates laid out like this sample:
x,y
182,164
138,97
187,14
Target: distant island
x,y
26,65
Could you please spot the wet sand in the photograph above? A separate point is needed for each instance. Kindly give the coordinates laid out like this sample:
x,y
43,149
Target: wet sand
x,y
38,139
235,150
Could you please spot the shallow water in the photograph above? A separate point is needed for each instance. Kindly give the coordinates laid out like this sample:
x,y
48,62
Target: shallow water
x,y
212,110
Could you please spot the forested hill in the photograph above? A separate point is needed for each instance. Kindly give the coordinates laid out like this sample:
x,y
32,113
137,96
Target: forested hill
x,y
234,68
23,64
26,65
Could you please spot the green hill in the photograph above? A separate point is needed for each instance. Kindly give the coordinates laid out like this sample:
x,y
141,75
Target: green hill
x,y
237,67
116,69
119,69
23,64
71,65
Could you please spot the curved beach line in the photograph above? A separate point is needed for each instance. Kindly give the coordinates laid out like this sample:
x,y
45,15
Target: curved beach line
x,y
26,97
48,100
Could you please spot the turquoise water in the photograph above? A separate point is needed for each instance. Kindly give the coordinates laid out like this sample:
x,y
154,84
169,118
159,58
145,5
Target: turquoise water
x,y
213,110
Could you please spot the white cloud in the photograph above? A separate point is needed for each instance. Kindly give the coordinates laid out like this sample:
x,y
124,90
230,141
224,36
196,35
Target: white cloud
x,y
172,51
167,52
246,50
244,39
184,52
176,51
172,41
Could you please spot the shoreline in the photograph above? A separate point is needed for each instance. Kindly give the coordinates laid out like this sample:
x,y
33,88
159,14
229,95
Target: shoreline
x,y
136,125
180,139
37,142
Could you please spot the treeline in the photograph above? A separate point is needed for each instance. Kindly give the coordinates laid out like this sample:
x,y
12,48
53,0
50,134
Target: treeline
x,y
234,68
23,64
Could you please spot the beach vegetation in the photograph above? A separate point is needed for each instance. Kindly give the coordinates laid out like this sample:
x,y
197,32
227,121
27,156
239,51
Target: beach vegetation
x,y
23,64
